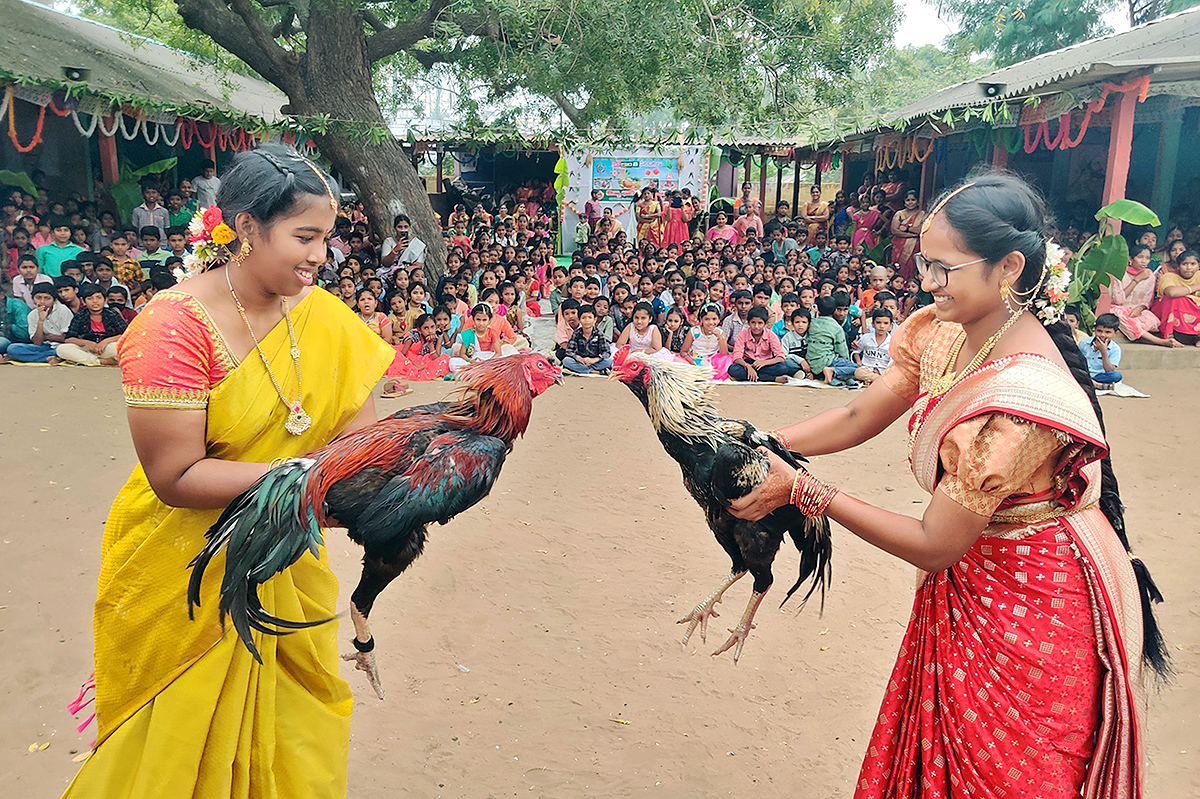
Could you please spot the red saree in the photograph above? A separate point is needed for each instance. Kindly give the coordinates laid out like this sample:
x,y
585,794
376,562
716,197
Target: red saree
x,y
1019,672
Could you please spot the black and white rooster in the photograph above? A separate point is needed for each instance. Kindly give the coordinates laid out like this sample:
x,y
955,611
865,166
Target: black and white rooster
x,y
720,463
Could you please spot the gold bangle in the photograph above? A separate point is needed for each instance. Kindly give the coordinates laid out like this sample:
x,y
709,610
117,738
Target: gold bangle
x,y
277,462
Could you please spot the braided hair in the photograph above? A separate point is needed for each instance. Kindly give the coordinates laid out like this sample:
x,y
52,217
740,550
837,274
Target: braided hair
x,y
268,182
999,214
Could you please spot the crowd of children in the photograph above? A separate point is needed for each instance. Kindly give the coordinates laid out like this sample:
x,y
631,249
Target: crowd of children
x,y
792,297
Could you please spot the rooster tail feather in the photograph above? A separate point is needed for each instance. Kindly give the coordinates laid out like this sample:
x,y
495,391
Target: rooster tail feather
x,y
815,544
266,529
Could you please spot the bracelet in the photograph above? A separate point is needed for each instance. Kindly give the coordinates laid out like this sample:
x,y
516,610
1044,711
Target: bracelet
x,y
277,462
781,438
810,495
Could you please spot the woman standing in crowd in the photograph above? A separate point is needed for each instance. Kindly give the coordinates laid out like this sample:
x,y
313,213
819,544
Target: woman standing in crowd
x,y
222,375
649,218
906,235
816,215
1020,669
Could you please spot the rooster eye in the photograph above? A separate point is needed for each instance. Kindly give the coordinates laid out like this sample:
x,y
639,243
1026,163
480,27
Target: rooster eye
x,y
541,365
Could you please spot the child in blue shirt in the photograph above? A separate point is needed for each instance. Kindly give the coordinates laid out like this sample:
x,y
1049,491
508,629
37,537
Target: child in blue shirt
x,y
1101,352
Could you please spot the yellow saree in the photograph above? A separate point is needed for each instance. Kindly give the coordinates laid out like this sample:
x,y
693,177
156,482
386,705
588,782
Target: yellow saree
x,y
182,709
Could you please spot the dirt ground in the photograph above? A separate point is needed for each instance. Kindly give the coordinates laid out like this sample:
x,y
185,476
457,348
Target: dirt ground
x,y
559,593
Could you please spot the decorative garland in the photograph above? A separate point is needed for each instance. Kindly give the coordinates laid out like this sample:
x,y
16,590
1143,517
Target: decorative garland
x,y
1041,130
12,127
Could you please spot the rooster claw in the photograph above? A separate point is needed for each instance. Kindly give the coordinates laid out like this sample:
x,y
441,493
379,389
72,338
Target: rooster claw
x,y
699,617
365,662
738,636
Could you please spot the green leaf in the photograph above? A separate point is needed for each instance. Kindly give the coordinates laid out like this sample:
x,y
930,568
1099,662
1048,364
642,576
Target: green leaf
x,y
1129,211
157,168
1109,257
20,179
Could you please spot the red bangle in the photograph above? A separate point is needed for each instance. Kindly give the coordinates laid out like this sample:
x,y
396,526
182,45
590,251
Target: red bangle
x,y
782,439
810,495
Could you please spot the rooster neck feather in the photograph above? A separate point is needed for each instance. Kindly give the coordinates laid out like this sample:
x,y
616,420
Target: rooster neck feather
x,y
681,401
494,400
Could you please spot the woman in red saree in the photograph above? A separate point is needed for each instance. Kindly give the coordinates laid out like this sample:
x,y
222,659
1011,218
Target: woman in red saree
x,y
1019,674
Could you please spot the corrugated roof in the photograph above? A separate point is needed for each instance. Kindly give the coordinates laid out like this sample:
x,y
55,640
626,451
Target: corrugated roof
x,y
36,42
1171,43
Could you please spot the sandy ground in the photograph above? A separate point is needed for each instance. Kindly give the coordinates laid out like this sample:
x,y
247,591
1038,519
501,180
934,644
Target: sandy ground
x,y
560,594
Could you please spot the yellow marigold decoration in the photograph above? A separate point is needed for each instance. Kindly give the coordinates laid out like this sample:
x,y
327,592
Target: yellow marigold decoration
x,y
223,234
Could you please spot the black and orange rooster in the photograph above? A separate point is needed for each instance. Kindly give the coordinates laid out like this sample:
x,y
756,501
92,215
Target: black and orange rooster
x,y
720,463
384,483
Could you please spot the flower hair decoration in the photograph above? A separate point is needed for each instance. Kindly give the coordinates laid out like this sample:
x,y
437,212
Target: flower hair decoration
x,y
210,238
1051,300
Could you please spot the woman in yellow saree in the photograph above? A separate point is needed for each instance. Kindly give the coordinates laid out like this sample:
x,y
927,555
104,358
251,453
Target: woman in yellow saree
x,y
1020,671
234,368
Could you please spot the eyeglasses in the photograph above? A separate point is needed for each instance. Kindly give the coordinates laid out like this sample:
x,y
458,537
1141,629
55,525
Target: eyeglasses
x,y
938,270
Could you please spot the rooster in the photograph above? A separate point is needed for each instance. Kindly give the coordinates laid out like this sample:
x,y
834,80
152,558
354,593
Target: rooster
x,y
720,462
384,483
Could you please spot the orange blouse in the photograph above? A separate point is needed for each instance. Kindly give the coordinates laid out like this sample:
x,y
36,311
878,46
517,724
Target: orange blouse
x,y
188,358
988,459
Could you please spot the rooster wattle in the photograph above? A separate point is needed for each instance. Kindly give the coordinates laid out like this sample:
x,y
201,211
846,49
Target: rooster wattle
x,y
720,463
384,483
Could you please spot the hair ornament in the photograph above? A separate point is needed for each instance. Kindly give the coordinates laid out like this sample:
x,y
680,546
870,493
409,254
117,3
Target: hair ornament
x,y
1055,285
210,238
937,208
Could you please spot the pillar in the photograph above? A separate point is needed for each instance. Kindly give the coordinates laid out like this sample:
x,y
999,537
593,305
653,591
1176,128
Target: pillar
x,y
1120,145
746,177
795,186
999,157
441,155
1168,162
109,170
778,187
762,180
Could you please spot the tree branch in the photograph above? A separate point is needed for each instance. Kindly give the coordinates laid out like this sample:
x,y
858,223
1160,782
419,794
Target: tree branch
x,y
390,41
577,116
240,30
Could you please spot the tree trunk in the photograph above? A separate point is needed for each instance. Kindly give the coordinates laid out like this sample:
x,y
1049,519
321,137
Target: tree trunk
x,y
337,82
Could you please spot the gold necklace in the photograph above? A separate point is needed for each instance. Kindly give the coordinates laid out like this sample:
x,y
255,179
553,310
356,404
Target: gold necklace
x,y
949,378
297,420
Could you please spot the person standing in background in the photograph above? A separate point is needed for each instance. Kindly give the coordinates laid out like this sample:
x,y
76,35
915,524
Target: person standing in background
x,y
207,184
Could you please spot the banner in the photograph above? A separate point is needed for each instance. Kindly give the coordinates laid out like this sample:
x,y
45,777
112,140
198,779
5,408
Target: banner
x,y
619,179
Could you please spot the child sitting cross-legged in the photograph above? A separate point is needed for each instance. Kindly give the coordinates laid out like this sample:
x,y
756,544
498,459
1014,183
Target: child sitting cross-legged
x,y
828,354
479,342
795,341
48,325
587,351
757,353
92,336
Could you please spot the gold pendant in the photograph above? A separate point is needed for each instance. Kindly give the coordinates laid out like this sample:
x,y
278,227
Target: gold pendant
x,y
298,421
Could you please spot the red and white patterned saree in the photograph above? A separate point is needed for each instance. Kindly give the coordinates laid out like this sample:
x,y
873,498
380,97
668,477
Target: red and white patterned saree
x,y
1019,673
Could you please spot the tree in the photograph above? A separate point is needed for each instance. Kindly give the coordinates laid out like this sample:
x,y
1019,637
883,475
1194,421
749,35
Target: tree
x,y
910,73
1011,31
600,62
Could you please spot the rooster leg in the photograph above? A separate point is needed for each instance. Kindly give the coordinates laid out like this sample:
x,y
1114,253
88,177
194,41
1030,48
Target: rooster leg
x,y
707,609
364,660
739,634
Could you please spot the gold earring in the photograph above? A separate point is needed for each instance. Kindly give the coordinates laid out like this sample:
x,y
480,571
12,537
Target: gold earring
x,y
1006,295
242,253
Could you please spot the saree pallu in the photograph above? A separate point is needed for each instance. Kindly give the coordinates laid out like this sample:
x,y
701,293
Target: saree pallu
x,y
1019,672
182,709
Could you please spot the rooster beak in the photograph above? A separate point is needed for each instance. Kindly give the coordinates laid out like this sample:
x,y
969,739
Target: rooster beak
x,y
558,378
613,376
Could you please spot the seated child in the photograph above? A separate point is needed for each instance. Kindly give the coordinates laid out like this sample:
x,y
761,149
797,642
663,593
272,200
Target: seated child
x,y
757,353
828,355
568,320
480,342
419,356
871,348
787,303
604,320
91,339
1102,353
706,346
120,301
795,341
642,336
588,352
48,325
674,331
